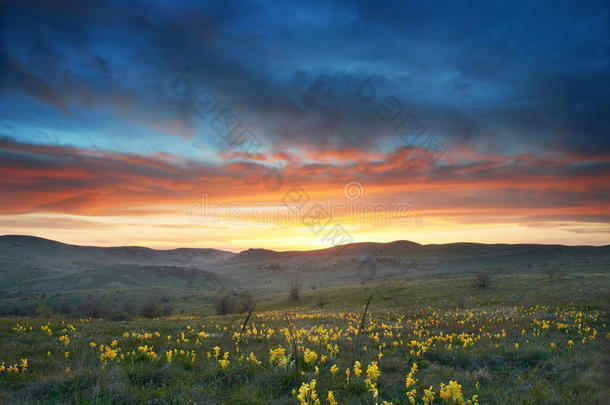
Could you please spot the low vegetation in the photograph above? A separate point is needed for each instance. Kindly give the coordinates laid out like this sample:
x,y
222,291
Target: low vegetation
x,y
413,345
482,281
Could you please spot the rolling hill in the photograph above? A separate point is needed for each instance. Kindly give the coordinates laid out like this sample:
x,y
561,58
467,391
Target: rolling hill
x,y
35,270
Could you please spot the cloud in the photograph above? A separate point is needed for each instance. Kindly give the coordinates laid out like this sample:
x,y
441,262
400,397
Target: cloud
x,y
491,77
89,182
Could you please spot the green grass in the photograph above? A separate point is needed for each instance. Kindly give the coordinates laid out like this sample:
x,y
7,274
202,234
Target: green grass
x,y
45,273
417,309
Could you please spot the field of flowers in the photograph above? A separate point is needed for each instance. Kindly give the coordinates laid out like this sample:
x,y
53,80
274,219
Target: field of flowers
x,y
425,355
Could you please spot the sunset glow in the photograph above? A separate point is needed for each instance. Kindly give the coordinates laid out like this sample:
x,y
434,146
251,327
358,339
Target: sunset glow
x,y
429,132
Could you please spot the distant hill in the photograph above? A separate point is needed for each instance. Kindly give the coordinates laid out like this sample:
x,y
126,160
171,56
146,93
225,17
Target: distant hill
x,y
19,246
34,269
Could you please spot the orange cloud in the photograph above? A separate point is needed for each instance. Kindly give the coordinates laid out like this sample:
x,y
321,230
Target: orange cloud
x,y
517,189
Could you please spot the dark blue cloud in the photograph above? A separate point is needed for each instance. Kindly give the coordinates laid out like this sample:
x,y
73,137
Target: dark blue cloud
x,y
500,77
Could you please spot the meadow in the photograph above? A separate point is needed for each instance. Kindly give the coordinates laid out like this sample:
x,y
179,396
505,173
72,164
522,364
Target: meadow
x,y
525,339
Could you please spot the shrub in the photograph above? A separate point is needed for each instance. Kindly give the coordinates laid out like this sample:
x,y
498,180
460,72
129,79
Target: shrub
x,y
128,308
482,281
43,310
225,303
92,307
150,309
17,310
120,316
65,308
153,308
246,301
166,310
294,291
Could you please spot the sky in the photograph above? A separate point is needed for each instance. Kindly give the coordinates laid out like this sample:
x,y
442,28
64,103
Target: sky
x,y
304,125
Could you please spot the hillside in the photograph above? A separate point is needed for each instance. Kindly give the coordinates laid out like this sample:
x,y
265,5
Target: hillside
x,y
36,270
19,246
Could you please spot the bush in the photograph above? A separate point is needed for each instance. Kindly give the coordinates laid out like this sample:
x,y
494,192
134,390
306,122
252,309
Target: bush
x,y
228,302
65,308
92,307
482,281
225,303
153,308
120,316
43,310
128,308
246,301
17,310
295,291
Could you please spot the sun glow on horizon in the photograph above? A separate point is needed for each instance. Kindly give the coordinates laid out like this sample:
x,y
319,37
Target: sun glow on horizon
x,y
169,232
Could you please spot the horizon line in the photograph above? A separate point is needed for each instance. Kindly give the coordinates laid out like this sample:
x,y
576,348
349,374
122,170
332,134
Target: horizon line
x,y
304,250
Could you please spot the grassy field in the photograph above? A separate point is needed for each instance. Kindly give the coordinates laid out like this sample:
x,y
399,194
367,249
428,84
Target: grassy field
x,y
525,339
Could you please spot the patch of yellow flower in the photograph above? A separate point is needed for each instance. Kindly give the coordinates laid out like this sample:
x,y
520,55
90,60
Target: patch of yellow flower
x,y
410,384
147,351
307,394
23,328
310,357
47,329
372,374
428,397
278,357
453,392
331,398
107,354
334,369
357,368
224,362
252,359
14,368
